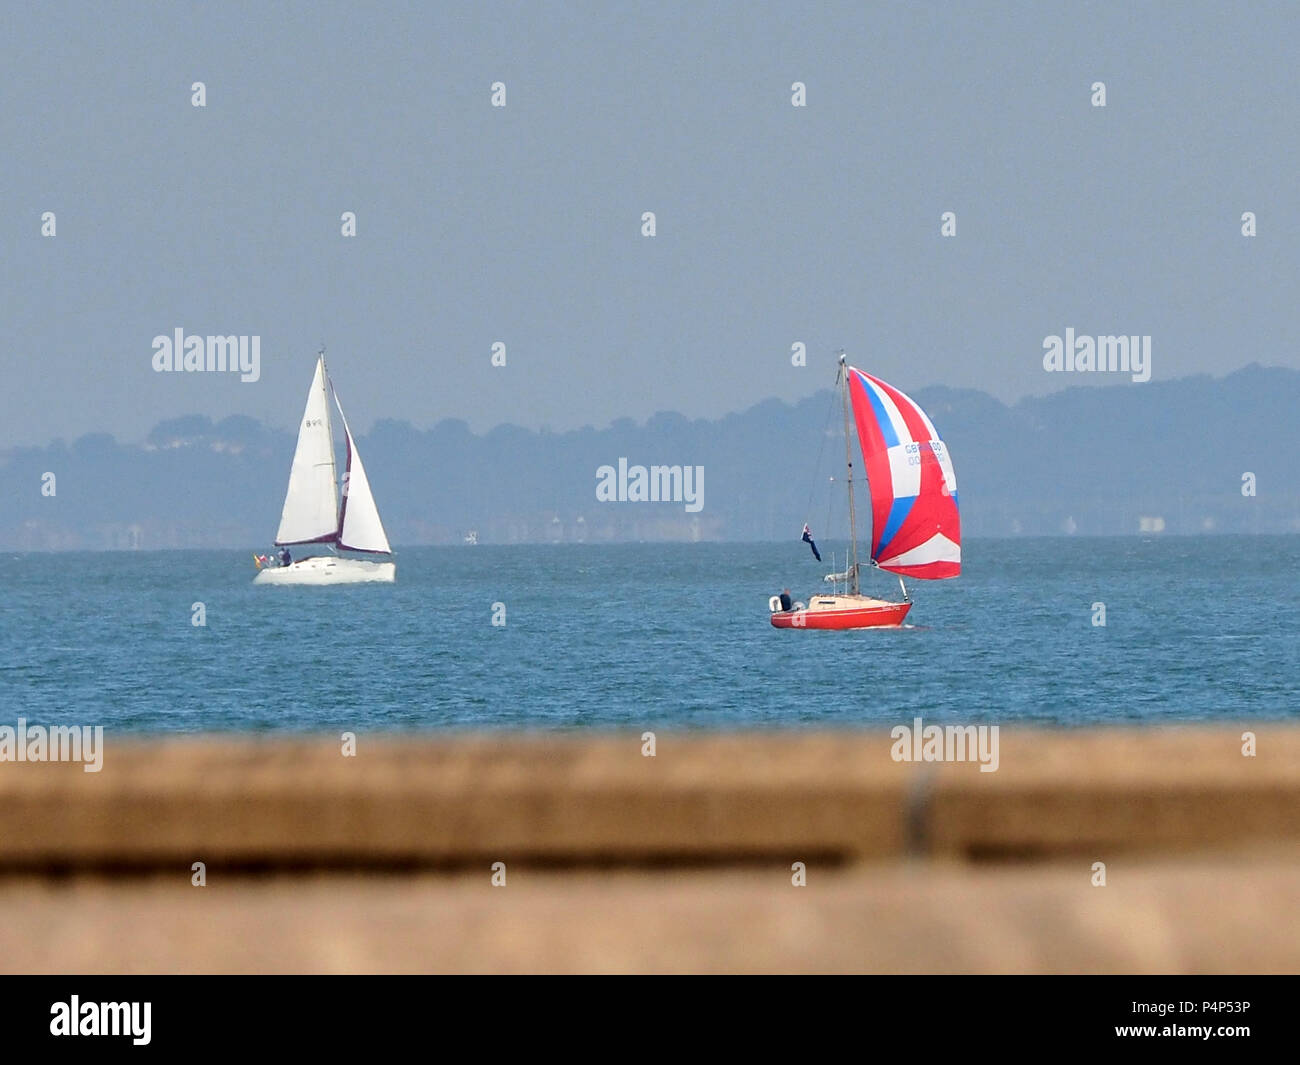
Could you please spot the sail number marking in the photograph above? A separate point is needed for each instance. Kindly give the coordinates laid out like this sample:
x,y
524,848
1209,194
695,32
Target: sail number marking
x,y
914,449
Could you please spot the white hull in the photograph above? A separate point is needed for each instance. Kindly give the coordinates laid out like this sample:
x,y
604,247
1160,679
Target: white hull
x,y
326,569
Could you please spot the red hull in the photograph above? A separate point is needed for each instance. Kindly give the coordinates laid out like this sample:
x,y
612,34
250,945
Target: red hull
x,y
886,615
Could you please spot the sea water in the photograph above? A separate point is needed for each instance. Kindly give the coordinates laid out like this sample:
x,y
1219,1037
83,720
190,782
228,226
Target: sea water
x,y
653,636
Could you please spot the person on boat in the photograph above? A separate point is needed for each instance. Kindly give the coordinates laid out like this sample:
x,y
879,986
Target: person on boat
x,y
285,558
786,602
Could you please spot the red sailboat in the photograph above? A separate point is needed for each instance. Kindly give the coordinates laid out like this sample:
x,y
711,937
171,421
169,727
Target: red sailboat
x,y
915,524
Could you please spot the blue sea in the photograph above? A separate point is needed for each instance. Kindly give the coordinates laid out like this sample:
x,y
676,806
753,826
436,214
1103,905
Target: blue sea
x,y
647,636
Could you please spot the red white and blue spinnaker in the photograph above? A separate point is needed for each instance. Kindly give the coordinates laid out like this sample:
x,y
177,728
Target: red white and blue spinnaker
x,y
915,525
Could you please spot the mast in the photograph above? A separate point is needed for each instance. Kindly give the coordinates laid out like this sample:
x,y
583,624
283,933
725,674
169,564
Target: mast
x,y
329,428
848,458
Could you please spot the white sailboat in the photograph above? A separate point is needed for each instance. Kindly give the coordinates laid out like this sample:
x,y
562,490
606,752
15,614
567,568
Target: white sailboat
x,y
314,516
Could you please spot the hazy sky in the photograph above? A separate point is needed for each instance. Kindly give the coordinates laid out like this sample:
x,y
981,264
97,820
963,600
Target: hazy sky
x,y
522,224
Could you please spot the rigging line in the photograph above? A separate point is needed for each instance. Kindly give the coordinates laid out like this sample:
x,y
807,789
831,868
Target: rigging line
x,y
817,469
831,498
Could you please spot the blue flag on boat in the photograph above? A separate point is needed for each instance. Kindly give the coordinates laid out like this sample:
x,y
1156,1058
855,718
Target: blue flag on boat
x,y
807,538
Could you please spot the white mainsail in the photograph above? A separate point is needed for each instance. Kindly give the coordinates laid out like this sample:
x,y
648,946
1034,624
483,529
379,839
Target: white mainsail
x,y
311,505
359,526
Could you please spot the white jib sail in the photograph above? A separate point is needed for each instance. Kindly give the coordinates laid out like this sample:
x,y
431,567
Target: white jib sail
x,y
359,528
311,505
